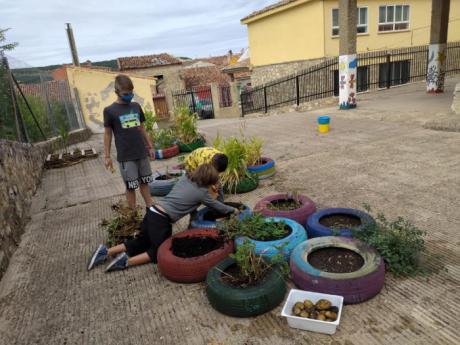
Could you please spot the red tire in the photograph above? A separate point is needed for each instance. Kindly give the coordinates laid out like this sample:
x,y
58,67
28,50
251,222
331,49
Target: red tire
x,y
167,152
300,215
190,270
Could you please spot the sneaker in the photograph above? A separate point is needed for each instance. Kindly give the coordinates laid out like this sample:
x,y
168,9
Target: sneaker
x,y
98,257
119,263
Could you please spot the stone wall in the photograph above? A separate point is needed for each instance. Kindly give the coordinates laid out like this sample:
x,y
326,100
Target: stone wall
x,y
264,74
21,167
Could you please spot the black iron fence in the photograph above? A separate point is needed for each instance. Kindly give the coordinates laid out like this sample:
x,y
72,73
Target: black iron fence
x,y
376,70
198,99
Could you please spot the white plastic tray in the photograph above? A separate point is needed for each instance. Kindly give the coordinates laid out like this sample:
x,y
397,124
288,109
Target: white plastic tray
x,y
326,327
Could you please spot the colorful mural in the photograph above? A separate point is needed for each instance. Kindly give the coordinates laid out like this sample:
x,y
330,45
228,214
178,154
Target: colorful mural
x,y
436,68
347,79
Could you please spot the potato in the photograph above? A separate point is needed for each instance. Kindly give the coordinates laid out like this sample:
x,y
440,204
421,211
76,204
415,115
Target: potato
x,y
304,314
331,315
308,304
314,314
321,317
296,311
323,304
299,305
334,309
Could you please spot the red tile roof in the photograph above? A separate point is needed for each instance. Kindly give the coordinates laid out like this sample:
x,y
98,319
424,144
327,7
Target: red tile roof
x,y
203,76
147,61
268,8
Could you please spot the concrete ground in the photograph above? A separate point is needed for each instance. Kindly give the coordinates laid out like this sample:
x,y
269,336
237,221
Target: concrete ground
x,y
378,153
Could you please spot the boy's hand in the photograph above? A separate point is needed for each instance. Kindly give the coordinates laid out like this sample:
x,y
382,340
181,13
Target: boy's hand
x,y
109,164
236,211
152,154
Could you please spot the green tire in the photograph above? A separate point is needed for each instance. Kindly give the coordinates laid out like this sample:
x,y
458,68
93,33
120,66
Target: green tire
x,y
245,185
193,146
244,302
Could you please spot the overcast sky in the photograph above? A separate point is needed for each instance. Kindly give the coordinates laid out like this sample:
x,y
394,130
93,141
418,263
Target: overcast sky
x,y
107,29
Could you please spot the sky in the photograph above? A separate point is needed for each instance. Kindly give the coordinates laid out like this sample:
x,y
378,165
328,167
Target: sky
x,y
107,29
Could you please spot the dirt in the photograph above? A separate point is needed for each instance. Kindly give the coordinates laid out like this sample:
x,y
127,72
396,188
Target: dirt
x,y
336,260
340,221
191,246
233,277
124,224
261,162
284,205
213,215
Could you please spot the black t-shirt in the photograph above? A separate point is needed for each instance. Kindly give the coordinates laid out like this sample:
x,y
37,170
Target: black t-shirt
x,y
125,121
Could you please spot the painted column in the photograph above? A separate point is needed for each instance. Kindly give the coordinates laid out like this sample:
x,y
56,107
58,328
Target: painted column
x,y
436,67
348,62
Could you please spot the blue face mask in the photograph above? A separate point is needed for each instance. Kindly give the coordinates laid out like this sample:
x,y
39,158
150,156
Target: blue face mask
x,y
127,98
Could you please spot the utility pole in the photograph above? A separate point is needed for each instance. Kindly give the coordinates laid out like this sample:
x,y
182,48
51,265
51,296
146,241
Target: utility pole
x,y
73,47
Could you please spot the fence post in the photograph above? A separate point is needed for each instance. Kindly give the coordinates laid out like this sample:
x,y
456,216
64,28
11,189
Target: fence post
x,y
388,71
265,99
193,101
297,90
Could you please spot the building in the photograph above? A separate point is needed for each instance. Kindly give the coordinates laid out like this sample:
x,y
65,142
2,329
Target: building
x,y
292,35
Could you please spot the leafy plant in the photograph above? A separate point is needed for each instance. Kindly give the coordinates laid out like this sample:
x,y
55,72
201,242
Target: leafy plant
x,y
150,123
399,242
186,125
163,138
253,268
64,133
255,227
254,151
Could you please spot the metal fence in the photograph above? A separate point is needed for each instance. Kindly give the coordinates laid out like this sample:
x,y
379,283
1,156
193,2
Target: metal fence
x,y
34,106
376,70
198,99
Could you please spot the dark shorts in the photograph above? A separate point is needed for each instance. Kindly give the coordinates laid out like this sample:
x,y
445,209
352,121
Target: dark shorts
x,y
135,172
156,227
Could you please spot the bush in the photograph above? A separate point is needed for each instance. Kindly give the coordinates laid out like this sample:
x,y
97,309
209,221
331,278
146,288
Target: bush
x,y
163,138
186,129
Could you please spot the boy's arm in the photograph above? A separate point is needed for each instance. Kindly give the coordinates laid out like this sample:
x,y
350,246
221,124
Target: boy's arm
x,y
209,201
107,145
146,137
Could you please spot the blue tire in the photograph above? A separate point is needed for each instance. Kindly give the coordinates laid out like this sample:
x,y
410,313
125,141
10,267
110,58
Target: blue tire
x,y
268,248
265,170
316,229
199,222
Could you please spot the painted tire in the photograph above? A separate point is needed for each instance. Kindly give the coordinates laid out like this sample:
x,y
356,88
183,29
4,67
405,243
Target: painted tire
x,y
244,302
245,185
315,229
355,287
167,152
163,187
264,171
268,248
199,222
190,270
193,146
300,215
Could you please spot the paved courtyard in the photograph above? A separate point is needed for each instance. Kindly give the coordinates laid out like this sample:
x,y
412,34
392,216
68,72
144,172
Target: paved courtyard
x,y
378,154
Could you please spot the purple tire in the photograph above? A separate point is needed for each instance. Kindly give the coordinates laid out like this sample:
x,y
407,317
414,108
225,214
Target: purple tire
x,y
300,215
355,287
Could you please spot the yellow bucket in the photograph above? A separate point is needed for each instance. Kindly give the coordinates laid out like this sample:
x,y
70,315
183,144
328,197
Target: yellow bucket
x,y
323,128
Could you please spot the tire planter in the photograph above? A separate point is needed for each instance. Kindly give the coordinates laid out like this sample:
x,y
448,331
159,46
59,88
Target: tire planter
x,y
244,302
268,248
163,187
167,152
316,229
300,215
245,185
199,222
265,170
355,287
194,269
192,146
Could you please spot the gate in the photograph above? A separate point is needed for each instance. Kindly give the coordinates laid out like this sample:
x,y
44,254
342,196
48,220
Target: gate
x,y
160,105
198,99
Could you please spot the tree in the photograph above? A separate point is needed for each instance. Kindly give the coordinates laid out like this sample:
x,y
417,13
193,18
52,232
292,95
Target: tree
x,y
7,46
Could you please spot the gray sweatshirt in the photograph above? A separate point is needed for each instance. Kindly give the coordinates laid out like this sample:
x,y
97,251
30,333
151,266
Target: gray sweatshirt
x,y
186,197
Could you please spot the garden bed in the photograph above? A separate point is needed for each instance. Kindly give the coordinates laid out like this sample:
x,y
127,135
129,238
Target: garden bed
x,y
60,160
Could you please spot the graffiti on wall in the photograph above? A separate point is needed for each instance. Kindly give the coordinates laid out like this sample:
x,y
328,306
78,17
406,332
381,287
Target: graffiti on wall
x,y
347,79
436,71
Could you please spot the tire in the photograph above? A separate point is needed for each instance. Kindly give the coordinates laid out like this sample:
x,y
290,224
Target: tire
x,y
244,302
199,222
163,187
167,152
190,270
265,170
315,229
355,287
192,146
245,185
300,215
268,248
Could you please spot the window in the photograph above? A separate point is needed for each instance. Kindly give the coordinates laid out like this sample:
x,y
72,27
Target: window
x,y
159,77
361,19
394,17
398,74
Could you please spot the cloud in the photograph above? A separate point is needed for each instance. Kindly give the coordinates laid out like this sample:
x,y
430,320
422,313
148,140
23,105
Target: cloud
x,y
115,28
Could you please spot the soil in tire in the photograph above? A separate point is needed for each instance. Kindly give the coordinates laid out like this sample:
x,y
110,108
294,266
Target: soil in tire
x,y
284,205
335,260
340,221
213,215
232,276
191,246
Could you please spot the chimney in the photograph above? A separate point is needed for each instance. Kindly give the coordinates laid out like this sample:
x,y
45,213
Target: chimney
x,y
229,56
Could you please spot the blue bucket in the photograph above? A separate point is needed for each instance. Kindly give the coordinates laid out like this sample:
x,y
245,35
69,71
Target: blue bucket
x,y
323,120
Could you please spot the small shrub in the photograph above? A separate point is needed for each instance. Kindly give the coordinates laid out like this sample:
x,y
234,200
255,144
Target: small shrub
x,y
185,122
150,123
254,151
163,138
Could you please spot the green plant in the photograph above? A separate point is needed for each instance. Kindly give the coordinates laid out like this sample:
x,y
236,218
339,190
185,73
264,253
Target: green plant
x,y
163,138
254,151
185,125
399,242
64,133
150,123
255,227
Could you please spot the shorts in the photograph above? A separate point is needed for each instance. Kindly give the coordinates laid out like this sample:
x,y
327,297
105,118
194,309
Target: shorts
x,y
135,172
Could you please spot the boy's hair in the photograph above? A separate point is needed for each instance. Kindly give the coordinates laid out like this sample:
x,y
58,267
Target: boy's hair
x,y
205,175
123,82
220,162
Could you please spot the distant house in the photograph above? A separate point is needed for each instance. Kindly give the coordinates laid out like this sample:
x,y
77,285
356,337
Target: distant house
x,y
60,73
